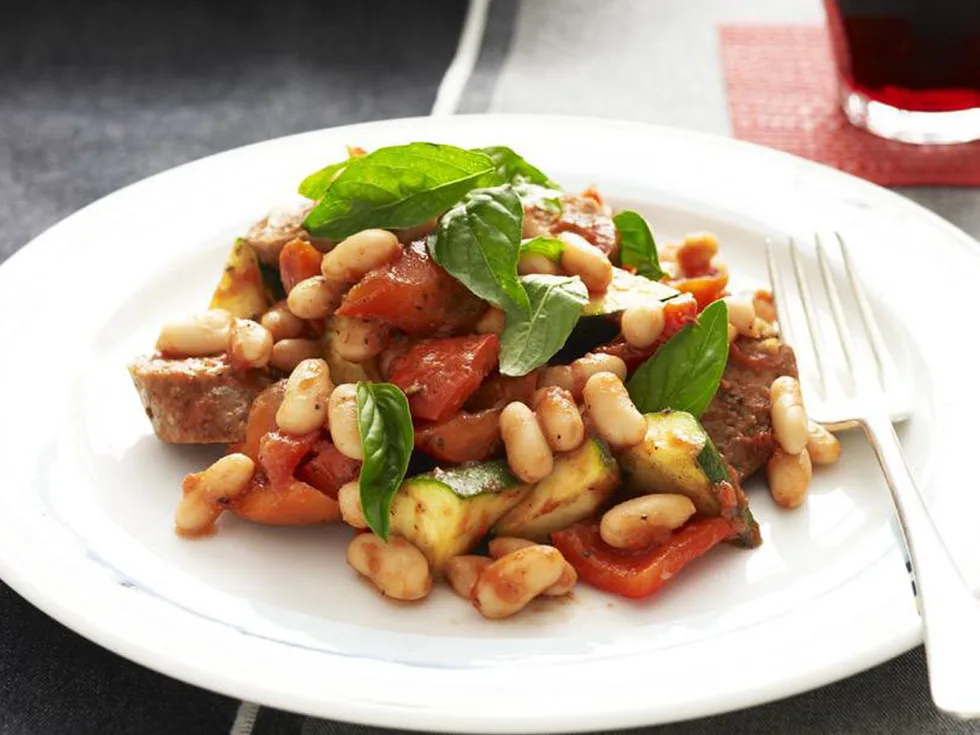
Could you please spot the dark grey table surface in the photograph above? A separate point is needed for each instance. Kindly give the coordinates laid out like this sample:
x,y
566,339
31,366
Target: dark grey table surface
x,y
97,95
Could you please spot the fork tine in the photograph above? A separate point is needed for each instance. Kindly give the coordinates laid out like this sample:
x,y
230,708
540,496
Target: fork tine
x,y
843,332
806,298
779,293
867,316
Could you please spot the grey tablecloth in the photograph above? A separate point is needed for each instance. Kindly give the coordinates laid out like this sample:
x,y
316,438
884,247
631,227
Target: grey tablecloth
x,y
96,95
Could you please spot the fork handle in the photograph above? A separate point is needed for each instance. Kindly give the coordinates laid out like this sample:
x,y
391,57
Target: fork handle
x,y
950,613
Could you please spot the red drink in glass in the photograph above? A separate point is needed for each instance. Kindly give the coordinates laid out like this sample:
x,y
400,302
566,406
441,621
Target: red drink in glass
x,y
909,69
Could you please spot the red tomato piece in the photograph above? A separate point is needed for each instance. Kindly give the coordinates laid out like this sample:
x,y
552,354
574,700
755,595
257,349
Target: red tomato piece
x,y
280,454
678,313
298,261
641,573
707,287
292,504
413,294
500,390
261,419
466,437
327,470
438,375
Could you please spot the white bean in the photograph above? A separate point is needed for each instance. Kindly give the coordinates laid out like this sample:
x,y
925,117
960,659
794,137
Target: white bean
x,y
282,323
640,522
344,429
396,568
613,413
559,375
511,582
789,477
595,362
201,335
360,253
501,546
582,258
528,453
358,340
741,314
462,572
288,353
251,344
205,493
304,402
822,446
492,321
764,308
789,423
533,263
314,298
349,499
559,418
643,324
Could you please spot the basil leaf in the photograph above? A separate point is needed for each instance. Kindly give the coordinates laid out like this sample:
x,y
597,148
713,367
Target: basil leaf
x,y
556,304
387,437
514,169
396,187
549,247
540,197
316,184
684,374
478,242
638,250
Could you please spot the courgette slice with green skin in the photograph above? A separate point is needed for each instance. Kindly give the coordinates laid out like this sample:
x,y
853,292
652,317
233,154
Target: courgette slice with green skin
x,y
677,456
241,290
445,513
580,483
626,290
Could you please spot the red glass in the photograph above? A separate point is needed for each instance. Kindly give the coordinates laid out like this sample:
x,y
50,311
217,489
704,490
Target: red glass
x,y
915,55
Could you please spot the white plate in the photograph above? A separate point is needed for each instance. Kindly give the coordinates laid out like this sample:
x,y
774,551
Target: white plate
x,y
275,616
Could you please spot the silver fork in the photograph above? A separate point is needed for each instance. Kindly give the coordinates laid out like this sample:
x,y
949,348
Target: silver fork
x,y
950,612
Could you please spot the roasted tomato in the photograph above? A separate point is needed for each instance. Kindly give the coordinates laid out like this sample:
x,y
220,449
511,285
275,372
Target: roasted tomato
x,y
500,390
707,287
637,573
678,313
327,470
298,261
413,294
280,454
438,375
466,437
261,419
293,503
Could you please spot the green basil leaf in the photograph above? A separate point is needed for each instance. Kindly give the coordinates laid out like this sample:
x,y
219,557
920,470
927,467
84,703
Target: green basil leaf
x,y
478,243
684,374
397,187
638,250
514,169
316,184
387,437
549,247
539,197
556,304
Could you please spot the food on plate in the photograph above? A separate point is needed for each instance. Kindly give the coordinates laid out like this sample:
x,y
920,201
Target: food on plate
x,y
491,380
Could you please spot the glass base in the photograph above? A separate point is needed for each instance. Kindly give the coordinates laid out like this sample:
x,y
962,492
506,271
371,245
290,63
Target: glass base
x,y
893,123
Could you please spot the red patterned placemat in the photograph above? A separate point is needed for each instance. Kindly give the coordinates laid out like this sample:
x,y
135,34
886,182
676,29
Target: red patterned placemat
x,y
782,92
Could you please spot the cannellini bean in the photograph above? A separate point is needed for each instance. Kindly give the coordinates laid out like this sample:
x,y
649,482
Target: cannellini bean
x,y
304,402
360,253
511,582
559,375
612,412
314,298
358,340
764,308
206,492
396,568
640,522
501,546
559,418
203,334
528,453
732,333
492,321
251,344
822,446
643,324
583,259
789,423
741,314
789,477
349,499
463,571
595,362
342,415
288,353
282,323
532,263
